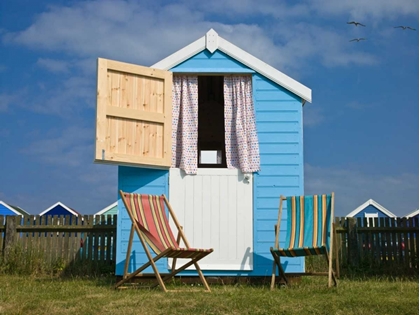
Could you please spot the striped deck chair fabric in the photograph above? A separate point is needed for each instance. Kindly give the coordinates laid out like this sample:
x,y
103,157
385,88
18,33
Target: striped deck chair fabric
x,y
149,213
308,226
149,220
308,232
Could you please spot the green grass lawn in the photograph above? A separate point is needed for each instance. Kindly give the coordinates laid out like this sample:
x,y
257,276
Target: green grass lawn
x,y
49,295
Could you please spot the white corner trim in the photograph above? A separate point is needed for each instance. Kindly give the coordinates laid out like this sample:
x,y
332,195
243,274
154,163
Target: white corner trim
x,y
213,41
371,202
107,208
10,208
59,204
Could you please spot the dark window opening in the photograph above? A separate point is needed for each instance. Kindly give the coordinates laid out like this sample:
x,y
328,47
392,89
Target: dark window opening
x,y
211,124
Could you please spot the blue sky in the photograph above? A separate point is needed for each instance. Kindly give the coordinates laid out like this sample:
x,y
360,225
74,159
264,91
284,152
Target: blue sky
x,y
361,132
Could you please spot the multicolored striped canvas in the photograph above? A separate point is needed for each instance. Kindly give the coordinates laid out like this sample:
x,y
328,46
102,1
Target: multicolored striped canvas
x,y
148,212
308,226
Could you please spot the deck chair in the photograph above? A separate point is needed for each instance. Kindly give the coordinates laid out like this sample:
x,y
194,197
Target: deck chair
x,y
309,231
149,220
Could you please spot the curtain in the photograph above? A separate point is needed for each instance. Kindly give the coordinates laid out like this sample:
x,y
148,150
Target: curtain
x,y
242,149
185,123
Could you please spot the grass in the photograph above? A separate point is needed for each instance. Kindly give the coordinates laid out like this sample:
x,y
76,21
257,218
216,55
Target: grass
x,y
55,295
29,285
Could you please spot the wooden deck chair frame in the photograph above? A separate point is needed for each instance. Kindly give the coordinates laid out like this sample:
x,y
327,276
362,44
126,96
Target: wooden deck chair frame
x,y
167,253
328,255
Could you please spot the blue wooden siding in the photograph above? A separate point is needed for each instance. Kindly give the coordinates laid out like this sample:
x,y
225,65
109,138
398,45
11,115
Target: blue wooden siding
x,y
138,180
280,135
6,211
206,62
371,209
279,127
58,210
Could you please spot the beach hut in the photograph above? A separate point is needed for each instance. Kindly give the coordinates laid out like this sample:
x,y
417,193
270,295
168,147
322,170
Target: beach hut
x,y
59,209
220,133
371,209
109,210
413,215
7,209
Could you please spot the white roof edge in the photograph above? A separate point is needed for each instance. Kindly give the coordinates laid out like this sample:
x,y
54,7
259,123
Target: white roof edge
x,y
107,208
10,208
412,214
265,69
59,204
373,203
181,55
240,55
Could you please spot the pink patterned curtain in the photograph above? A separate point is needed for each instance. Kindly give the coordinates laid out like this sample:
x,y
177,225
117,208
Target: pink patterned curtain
x,y
185,123
242,149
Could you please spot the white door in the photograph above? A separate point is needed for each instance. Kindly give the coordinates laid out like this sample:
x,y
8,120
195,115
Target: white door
x,y
215,209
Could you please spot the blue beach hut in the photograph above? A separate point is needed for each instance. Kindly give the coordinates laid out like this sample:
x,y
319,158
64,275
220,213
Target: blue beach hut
x,y
220,133
413,215
59,209
7,209
371,209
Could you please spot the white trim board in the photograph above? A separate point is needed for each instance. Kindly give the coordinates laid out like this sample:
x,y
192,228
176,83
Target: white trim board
x,y
212,41
412,214
371,202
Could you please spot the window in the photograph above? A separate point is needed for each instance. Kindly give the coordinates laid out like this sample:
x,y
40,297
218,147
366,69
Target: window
x,y
371,215
211,128
213,123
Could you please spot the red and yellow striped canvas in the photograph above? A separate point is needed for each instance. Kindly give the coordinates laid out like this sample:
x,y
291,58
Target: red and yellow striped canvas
x,y
148,212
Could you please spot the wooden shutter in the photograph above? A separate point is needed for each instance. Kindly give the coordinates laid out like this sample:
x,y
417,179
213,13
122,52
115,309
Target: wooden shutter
x,y
133,115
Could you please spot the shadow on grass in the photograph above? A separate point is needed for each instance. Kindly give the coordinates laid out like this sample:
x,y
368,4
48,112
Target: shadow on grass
x,y
367,269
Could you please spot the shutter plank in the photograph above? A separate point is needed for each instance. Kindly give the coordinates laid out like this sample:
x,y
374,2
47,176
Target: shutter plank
x,y
134,115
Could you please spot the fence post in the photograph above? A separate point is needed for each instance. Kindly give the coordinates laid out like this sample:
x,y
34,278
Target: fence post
x,y
10,235
353,252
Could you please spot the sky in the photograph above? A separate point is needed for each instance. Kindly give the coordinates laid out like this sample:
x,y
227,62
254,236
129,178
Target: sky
x,y
361,131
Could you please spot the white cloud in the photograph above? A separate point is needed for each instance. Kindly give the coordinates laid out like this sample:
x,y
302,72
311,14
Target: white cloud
x,y
246,8
71,177
368,11
398,193
313,115
63,97
306,41
72,147
142,33
87,189
6,100
113,29
55,66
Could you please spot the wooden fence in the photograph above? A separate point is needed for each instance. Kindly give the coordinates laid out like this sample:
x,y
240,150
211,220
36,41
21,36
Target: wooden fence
x,y
378,244
61,238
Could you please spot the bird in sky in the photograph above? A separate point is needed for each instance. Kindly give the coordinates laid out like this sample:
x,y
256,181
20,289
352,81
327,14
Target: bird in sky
x,y
356,23
405,27
357,39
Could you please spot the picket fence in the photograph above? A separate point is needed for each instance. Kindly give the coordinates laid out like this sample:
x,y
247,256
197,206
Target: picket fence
x,y
378,243
61,238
